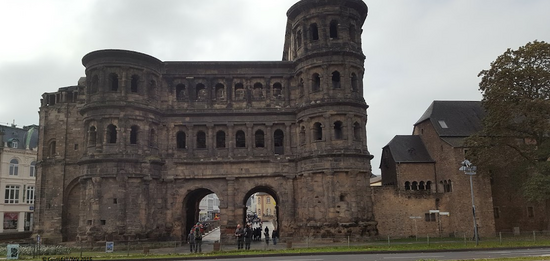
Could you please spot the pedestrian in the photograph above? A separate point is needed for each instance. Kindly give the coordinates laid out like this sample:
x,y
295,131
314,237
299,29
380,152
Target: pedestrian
x,y
275,235
247,236
191,241
239,234
266,235
198,238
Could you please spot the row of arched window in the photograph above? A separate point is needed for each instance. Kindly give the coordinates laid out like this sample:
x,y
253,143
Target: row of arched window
x,y
200,92
220,140
335,82
240,139
14,168
337,130
136,84
445,185
418,186
313,33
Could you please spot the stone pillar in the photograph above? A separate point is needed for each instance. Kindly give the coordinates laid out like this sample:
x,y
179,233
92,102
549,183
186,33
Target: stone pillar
x,y
20,222
231,219
288,134
191,140
327,130
269,138
230,139
210,139
249,139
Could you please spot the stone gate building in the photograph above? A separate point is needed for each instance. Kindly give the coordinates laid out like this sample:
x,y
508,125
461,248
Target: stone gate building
x,y
130,151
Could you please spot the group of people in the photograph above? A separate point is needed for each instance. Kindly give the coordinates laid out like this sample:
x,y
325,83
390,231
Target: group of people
x,y
195,238
247,234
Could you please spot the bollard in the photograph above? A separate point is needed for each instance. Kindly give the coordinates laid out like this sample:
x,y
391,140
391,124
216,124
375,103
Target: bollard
x,y
534,236
500,237
289,244
146,250
216,246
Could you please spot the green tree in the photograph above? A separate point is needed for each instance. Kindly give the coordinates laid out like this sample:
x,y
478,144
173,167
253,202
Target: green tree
x,y
515,141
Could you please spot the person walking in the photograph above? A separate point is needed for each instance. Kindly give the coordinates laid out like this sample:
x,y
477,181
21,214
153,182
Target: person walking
x,y
266,235
239,233
198,238
191,241
247,237
275,235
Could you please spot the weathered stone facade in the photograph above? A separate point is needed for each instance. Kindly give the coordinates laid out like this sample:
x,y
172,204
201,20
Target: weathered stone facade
x,y
130,151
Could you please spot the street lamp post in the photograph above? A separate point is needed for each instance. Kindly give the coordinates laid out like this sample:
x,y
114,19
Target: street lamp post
x,y
470,170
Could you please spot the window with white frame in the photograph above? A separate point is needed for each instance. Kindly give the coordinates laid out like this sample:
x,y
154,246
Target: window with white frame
x,y
14,167
30,195
12,194
32,171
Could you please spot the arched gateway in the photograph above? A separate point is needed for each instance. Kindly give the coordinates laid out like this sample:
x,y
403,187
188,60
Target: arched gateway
x,y
131,150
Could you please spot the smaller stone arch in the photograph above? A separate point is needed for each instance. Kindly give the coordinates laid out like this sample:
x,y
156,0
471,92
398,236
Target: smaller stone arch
x,y
269,190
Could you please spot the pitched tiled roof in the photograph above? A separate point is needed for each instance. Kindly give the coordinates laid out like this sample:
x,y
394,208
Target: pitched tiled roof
x,y
408,148
454,118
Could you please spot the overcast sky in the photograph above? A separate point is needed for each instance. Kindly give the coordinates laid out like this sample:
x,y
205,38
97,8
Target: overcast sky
x,y
417,50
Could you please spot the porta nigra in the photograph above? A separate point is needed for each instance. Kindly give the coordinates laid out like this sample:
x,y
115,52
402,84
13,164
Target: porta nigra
x,y
131,149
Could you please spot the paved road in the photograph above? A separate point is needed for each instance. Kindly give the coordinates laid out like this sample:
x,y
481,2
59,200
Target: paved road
x,y
455,255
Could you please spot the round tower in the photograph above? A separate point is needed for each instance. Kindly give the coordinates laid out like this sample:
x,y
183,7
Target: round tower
x,y
324,41
122,121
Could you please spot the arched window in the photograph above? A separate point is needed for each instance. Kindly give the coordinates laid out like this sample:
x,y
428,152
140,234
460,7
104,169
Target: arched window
x,y
407,185
153,138
449,186
301,87
200,92
14,167
357,131
333,29
32,170
220,139
317,131
52,148
421,186
134,84
239,92
180,140
428,185
278,141
354,82
113,80
338,132
258,91
220,92
259,139
92,136
336,80
414,185
134,134
277,90
315,82
111,133
201,140
240,139
314,32
181,92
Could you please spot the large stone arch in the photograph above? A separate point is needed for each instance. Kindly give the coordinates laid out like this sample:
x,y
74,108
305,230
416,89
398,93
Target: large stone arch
x,y
71,210
265,188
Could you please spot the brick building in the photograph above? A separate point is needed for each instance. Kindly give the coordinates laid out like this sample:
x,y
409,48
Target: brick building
x,y
420,172
132,148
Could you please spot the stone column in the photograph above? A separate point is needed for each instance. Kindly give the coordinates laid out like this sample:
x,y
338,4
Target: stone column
x,y
20,222
350,130
269,138
288,134
327,130
230,139
210,139
191,140
249,138
231,219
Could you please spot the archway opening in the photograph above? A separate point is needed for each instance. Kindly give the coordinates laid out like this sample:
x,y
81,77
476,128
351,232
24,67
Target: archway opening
x,y
261,212
202,207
